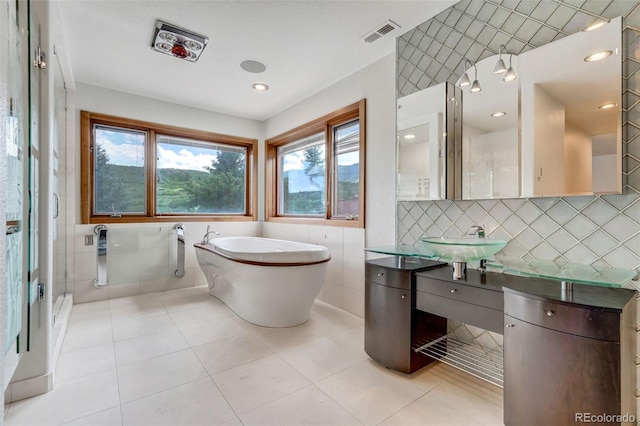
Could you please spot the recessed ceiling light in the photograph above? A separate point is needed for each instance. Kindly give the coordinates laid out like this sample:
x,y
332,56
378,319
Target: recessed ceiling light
x,y
410,136
608,105
596,25
252,66
499,114
598,56
260,87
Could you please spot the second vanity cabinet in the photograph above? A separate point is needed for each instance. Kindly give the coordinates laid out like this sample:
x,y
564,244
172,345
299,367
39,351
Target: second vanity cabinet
x,y
564,359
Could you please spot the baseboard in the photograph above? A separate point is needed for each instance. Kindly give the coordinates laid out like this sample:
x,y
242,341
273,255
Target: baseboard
x,y
24,389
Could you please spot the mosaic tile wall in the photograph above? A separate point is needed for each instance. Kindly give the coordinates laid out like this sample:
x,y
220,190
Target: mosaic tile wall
x,y
598,230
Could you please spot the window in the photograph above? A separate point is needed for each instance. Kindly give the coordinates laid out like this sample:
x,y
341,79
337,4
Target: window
x,y
193,174
315,173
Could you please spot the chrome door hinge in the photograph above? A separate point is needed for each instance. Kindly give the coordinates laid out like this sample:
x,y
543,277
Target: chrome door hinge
x,y
41,292
39,59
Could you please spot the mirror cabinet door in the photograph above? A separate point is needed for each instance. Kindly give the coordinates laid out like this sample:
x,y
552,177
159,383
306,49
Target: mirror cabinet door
x,y
421,145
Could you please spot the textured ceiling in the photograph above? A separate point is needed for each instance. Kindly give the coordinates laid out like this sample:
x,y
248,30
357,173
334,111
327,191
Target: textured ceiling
x,y
306,45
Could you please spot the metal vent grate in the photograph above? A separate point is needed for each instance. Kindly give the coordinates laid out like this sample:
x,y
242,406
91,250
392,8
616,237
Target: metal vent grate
x,y
386,29
380,30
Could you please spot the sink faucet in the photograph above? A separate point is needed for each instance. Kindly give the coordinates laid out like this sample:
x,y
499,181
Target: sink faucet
x,y
477,229
205,239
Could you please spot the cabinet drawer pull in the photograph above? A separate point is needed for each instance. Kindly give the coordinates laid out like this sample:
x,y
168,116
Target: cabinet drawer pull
x,y
510,325
550,313
380,274
454,290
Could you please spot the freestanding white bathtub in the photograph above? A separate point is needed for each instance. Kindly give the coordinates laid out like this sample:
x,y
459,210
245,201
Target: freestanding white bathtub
x,y
268,282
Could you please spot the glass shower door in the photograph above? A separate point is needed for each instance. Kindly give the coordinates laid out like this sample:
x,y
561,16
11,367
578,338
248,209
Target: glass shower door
x,y
13,113
59,182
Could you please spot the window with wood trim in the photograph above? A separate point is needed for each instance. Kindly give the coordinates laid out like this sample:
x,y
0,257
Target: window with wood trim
x,y
316,172
135,171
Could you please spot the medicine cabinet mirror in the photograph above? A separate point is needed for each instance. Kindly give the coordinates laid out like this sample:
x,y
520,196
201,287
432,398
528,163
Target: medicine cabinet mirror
x,y
556,130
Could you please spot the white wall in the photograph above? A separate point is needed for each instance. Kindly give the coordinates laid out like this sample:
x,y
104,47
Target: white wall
x,y
577,161
345,278
142,256
542,158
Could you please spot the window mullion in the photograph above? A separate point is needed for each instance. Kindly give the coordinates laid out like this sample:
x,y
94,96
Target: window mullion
x,y
151,172
329,157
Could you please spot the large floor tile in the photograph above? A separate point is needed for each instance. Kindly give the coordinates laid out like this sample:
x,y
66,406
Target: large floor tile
x,y
320,359
195,403
110,417
83,362
232,352
202,311
147,377
134,327
143,306
431,411
281,339
369,392
326,319
308,406
200,332
149,346
70,400
257,383
353,339
81,335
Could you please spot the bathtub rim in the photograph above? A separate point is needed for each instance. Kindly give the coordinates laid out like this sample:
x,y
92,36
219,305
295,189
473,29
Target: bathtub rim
x,y
211,249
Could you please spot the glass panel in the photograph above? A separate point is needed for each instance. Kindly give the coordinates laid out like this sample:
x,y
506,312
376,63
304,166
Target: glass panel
x,y
301,181
346,202
199,177
119,175
12,126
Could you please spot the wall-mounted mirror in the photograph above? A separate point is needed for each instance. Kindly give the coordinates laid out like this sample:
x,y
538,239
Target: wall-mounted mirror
x,y
555,130
421,124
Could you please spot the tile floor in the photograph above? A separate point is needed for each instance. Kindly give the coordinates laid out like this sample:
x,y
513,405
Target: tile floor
x,y
183,358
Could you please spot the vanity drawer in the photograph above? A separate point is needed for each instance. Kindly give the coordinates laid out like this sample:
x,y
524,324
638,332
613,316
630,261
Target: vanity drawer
x,y
592,323
478,316
388,277
465,293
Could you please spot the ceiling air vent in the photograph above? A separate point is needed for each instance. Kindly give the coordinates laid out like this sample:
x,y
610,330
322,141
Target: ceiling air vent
x,y
379,31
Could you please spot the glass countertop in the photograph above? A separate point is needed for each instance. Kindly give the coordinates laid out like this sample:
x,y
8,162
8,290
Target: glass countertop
x,y
404,250
571,272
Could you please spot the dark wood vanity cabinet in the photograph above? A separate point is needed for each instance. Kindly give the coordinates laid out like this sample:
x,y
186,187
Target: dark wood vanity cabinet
x,y
566,360
392,325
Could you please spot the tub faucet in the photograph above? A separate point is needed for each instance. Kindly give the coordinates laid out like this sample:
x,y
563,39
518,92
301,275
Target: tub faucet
x,y
205,239
477,229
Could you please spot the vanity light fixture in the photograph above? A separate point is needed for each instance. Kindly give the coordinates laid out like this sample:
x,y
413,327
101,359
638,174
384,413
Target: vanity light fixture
x,y
260,87
608,105
511,74
178,42
596,25
410,136
475,87
500,66
465,81
499,114
598,56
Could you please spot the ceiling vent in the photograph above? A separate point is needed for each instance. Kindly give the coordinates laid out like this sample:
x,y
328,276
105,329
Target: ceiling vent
x,y
380,30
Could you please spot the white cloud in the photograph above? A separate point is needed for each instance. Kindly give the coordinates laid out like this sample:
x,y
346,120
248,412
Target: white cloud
x,y
184,159
124,154
293,161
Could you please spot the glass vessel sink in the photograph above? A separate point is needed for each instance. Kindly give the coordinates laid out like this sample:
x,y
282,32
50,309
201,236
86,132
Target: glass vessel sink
x,y
463,249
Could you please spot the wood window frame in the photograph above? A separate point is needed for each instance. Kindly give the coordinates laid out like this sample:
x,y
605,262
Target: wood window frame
x,y
87,122
324,124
